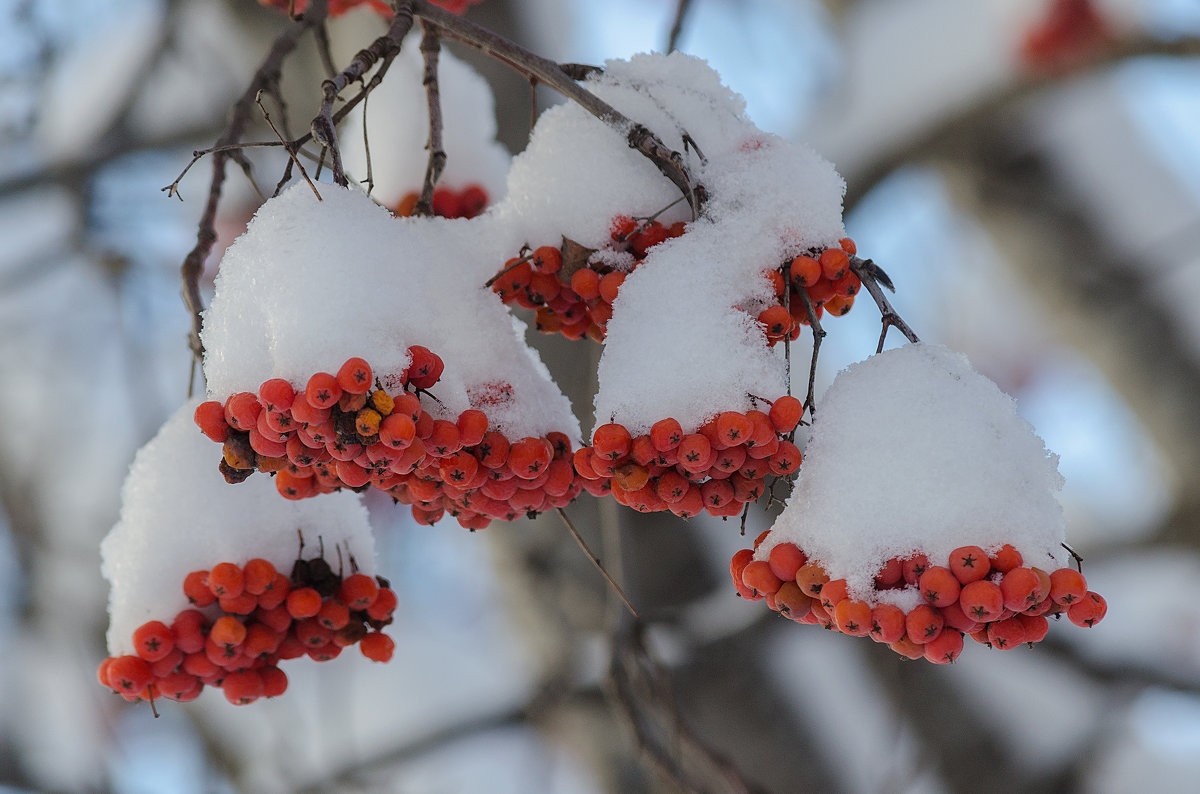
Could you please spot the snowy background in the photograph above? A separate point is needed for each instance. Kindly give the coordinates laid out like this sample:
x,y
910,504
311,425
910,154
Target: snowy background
x,y
1048,226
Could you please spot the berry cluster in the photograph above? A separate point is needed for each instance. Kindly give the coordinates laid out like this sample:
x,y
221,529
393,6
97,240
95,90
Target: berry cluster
x,y
823,276
719,468
447,202
341,432
994,598
573,288
243,621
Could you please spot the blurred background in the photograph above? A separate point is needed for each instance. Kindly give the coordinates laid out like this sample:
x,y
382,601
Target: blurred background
x,y
1027,172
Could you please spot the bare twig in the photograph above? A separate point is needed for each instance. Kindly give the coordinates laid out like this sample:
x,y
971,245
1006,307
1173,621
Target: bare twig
x,y
596,561
382,49
668,162
437,156
681,12
288,149
866,271
265,77
818,333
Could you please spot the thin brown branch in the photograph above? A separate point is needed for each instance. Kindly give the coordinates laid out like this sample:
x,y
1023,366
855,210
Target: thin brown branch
x,y
383,49
818,334
430,47
266,76
681,12
668,162
866,270
288,149
596,561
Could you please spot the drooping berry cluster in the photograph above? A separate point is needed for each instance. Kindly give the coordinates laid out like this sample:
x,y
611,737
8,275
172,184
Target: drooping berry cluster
x,y
447,202
719,468
573,288
245,620
824,277
994,598
339,431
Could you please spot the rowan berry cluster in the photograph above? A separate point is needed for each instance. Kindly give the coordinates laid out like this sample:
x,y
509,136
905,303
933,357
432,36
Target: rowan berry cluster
x,y
823,277
340,431
719,468
243,621
339,7
994,598
573,288
447,202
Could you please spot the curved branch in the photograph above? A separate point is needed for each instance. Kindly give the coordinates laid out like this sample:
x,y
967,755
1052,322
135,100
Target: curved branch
x,y
668,162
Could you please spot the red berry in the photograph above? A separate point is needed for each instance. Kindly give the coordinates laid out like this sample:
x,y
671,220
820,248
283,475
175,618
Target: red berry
x,y
969,563
322,391
355,376
377,646
210,418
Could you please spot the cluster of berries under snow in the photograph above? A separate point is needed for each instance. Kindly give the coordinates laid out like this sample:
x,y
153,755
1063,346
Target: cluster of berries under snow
x,y
352,344
893,535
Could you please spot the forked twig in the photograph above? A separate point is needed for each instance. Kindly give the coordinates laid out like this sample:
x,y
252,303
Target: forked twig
x,y
870,275
430,48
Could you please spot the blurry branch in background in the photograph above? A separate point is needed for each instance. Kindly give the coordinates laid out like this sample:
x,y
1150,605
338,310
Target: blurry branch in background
x,y
681,12
437,155
978,114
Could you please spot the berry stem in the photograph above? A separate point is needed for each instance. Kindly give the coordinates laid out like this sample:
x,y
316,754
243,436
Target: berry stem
x,y
595,561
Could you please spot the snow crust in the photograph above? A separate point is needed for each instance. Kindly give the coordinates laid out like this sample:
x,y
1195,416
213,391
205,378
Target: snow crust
x,y
397,126
179,515
314,282
913,451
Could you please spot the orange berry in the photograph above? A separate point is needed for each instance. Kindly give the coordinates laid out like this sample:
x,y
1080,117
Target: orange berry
x,y
366,422
887,623
969,563
758,577
128,674
811,577
153,641
737,565
665,434
733,428
227,630
355,376
304,602
209,416
834,263
243,687
257,575
225,579
890,575
695,453
785,560
945,647
839,305
908,648
785,460
241,604
1067,586
923,623
1035,627
630,476
383,605
848,246
611,441
1021,588
547,259
424,368
1006,634
833,592
275,681
982,601
586,283
610,284
242,410
914,566
939,586
792,603
1005,559
785,413
377,646
358,591
804,271
671,487
334,614
322,390
195,587
1088,611
776,321
397,431
529,457
853,617
472,426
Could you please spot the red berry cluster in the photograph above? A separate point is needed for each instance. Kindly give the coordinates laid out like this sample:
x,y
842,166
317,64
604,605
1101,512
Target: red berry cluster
x,y
994,598
719,469
447,202
340,432
574,295
245,620
824,276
